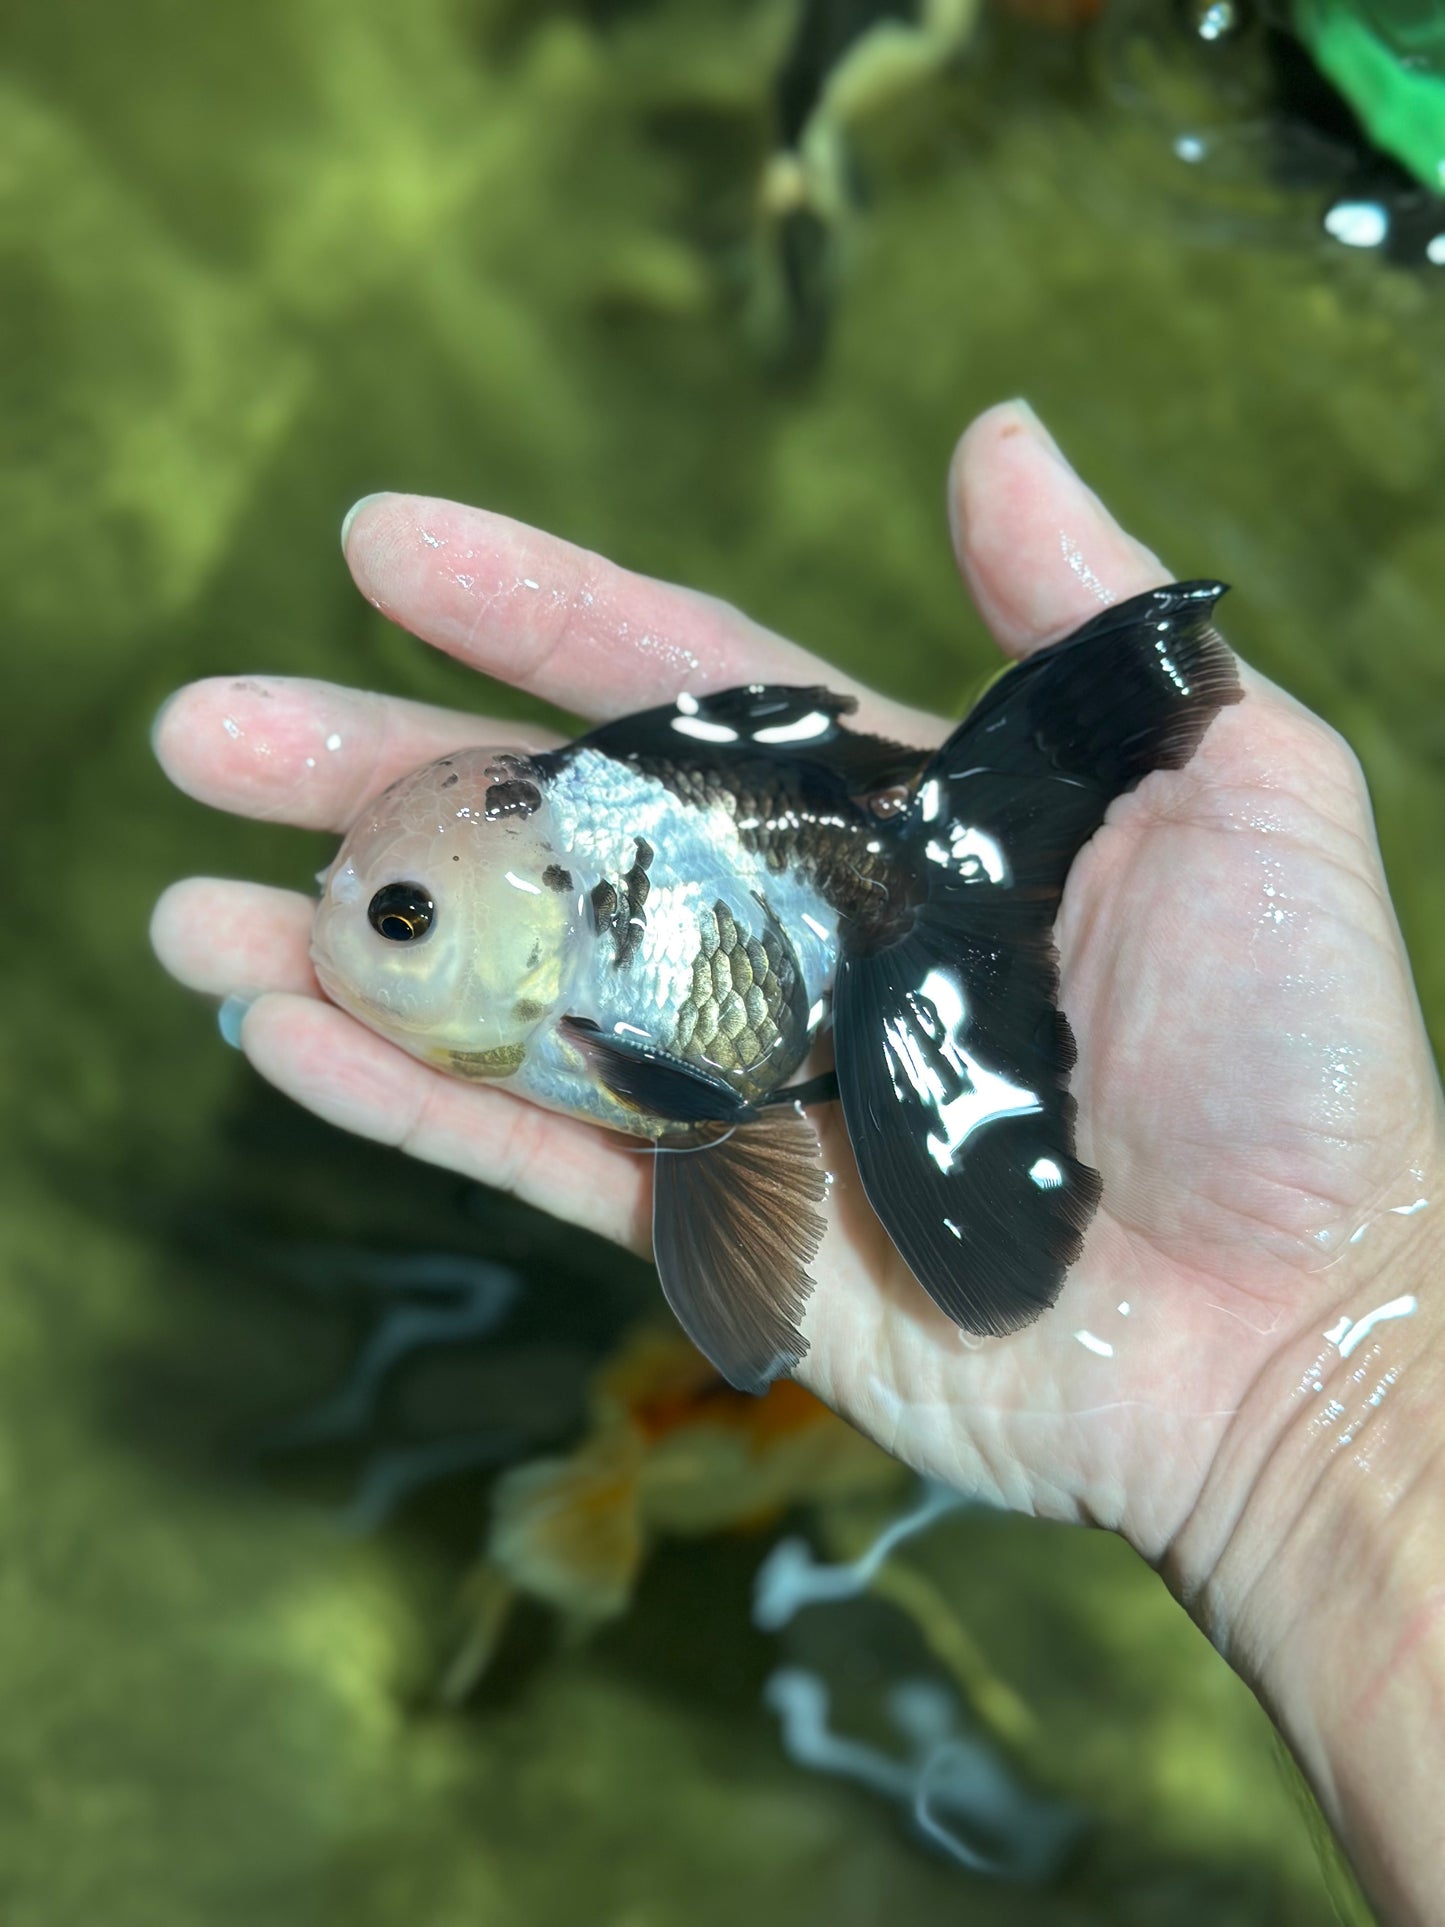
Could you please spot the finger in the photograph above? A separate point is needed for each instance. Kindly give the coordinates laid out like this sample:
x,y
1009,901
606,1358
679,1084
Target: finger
x,y
1039,550
227,938
328,1062
310,753
563,623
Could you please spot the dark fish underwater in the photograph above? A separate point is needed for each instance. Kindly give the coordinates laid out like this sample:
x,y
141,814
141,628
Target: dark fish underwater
x,y
653,927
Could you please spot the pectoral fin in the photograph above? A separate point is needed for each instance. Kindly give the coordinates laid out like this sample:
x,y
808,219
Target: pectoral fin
x,y
655,1081
736,1225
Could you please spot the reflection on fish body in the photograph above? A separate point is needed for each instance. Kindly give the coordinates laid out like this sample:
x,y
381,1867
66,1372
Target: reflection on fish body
x,y
652,927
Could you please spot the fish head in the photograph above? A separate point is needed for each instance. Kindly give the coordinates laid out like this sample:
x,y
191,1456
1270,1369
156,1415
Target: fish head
x,y
449,921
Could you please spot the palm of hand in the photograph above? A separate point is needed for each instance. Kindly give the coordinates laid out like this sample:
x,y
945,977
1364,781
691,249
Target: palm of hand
x,y
1233,975
1253,1080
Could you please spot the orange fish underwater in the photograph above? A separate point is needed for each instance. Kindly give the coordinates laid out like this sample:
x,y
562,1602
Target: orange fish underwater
x,y
672,1451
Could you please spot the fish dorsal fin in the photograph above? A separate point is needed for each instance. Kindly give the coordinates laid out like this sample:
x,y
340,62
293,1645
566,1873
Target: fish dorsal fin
x,y
772,721
953,1056
736,1225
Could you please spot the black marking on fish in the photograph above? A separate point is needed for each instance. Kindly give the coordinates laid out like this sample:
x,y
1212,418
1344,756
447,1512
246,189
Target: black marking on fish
x,y
638,889
556,878
603,898
953,1057
513,787
517,796
779,762
447,781
620,913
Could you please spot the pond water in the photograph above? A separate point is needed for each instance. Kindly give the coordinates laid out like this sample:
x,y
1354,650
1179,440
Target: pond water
x,y
260,261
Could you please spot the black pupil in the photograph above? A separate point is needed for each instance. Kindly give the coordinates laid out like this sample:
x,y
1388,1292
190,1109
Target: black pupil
x,y
401,912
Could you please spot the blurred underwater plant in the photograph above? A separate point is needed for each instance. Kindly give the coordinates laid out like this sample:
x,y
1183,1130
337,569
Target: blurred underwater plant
x,y
955,1787
952,1780
670,1450
420,1300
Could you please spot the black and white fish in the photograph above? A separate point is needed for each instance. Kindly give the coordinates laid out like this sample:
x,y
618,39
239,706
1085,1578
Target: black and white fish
x,y
653,927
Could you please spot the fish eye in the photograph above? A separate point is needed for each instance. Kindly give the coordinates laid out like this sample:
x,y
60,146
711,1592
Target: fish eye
x,y
401,912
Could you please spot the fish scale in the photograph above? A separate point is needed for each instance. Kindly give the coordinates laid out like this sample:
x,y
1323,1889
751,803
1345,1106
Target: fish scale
x,y
717,980
745,1001
837,850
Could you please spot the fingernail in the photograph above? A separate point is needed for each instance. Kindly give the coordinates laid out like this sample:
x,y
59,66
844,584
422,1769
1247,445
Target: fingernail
x,y
1032,426
231,1016
355,510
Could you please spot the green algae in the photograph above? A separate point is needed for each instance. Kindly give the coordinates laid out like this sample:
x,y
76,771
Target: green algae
x,y
258,264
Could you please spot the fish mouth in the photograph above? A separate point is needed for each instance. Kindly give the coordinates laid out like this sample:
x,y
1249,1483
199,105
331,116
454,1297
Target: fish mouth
x,y
370,1011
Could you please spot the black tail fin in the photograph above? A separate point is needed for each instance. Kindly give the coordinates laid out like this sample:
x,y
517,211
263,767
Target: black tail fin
x,y
953,1057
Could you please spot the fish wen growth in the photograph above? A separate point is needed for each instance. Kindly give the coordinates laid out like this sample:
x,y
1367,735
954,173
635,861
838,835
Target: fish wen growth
x,y
653,927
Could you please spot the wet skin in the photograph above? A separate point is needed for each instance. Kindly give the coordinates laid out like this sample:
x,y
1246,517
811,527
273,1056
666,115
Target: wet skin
x,y
1254,1080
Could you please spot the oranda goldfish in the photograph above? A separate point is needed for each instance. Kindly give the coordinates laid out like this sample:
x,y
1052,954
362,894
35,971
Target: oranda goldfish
x,y
671,1451
652,927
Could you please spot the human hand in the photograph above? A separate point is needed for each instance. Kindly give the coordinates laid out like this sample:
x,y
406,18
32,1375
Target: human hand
x,y
1254,1081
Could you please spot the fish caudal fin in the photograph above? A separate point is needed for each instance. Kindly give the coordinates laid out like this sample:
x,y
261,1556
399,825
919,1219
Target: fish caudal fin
x,y
953,1057
736,1224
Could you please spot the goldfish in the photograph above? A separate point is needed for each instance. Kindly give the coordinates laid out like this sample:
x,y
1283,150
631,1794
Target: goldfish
x,y
655,927
670,1450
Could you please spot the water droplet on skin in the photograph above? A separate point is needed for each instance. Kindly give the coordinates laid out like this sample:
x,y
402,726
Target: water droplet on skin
x,y
231,727
1073,555
333,741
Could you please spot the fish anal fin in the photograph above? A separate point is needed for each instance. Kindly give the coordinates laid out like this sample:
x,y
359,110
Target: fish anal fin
x,y
736,1225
